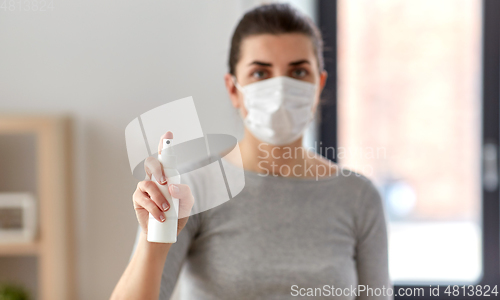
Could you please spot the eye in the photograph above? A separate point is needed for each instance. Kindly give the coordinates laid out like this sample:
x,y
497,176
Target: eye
x,y
260,74
300,73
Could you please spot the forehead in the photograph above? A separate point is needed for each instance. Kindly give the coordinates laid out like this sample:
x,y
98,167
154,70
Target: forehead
x,y
276,49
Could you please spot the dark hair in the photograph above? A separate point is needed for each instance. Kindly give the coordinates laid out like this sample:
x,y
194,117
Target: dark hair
x,y
275,18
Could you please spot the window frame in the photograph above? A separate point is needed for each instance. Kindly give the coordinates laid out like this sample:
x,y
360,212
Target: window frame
x,y
327,21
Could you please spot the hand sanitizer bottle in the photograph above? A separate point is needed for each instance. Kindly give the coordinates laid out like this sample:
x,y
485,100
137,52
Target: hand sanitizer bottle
x,y
166,231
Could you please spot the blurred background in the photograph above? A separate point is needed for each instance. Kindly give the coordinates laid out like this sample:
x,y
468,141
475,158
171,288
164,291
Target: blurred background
x,y
411,102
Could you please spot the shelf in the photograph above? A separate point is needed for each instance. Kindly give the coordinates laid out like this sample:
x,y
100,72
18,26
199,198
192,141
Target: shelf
x,y
47,167
25,249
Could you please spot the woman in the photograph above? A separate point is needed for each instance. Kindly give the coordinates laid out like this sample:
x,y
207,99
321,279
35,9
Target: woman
x,y
299,227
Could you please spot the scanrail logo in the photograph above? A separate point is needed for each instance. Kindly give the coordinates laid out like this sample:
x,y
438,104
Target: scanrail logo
x,y
198,155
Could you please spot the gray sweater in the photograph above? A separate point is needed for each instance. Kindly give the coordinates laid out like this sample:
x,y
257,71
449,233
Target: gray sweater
x,y
283,237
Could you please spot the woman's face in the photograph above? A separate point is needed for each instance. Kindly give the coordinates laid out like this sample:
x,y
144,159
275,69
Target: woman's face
x,y
265,56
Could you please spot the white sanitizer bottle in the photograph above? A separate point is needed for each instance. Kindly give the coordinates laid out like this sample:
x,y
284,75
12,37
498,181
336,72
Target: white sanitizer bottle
x,y
166,231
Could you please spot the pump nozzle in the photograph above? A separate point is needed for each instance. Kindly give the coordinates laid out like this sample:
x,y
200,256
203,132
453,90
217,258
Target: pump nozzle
x,y
167,156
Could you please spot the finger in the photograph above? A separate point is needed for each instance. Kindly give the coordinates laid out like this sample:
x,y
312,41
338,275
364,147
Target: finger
x,y
164,136
154,193
145,202
185,196
154,167
146,169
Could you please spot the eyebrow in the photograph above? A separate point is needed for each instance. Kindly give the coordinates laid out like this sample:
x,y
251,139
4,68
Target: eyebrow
x,y
295,63
299,62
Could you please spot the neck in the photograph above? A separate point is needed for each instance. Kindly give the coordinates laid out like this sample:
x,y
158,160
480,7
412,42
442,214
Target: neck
x,y
264,158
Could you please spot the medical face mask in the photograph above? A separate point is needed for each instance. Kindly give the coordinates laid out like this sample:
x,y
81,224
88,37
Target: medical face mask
x,y
279,108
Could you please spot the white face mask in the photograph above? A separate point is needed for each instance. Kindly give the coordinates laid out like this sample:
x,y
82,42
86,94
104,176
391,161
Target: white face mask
x,y
279,108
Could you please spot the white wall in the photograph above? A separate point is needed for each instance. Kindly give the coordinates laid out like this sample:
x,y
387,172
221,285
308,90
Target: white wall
x,y
106,62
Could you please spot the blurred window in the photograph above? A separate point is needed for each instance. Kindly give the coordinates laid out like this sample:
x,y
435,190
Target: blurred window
x,y
409,118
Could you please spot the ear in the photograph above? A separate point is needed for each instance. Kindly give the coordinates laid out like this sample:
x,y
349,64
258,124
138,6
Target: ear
x,y
322,80
234,93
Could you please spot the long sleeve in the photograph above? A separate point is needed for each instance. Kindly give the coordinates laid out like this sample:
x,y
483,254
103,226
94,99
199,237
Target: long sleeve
x,y
372,244
179,250
176,256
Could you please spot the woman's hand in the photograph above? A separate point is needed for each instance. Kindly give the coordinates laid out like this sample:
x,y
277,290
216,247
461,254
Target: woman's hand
x,y
148,198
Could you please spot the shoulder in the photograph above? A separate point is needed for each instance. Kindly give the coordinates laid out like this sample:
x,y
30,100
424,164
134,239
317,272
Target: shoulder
x,y
356,180
361,189
349,178
368,206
